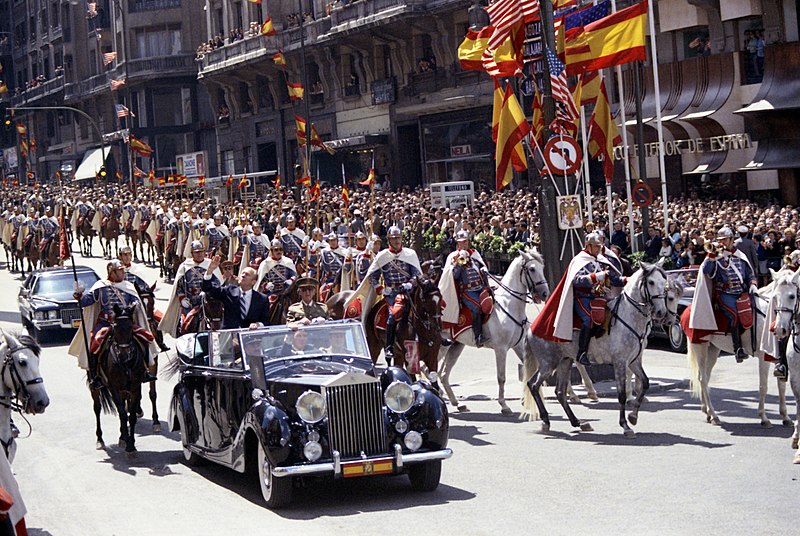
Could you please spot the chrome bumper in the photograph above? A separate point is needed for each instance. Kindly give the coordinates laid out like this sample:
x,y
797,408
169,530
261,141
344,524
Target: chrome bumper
x,y
335,467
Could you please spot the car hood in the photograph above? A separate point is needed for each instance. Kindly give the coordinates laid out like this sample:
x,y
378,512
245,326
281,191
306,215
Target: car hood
x,y
313,371
42,302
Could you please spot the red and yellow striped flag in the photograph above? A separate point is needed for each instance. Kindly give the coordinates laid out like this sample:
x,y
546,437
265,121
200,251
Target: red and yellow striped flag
x,y
267,28
277,182
229,182
201,181
513,127
243,182
370,178
295,90
279,59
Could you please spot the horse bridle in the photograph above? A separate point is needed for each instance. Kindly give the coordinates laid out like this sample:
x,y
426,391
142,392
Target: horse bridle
x,y
644,308
19,386
428,323
527,279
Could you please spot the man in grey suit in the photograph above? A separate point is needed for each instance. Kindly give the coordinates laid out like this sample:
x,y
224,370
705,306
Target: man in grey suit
x,y
746,245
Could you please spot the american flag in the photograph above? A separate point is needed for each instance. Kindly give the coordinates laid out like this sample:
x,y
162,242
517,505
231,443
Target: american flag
x,y
506,13
108,57
122,111
116,84
565,106
587,15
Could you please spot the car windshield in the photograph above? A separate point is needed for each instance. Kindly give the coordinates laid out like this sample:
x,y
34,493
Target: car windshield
x,y
324,339
688,278
60,286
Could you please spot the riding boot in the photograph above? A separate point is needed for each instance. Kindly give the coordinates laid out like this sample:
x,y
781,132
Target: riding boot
x,y
781,367
583,346
738,351
94,380
147,378
477,330
163,347
388,348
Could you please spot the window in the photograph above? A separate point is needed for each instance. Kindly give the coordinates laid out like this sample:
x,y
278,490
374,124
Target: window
x,y
383,62
186,99
228,162
167,107
153,43
264,96
245,106
247,156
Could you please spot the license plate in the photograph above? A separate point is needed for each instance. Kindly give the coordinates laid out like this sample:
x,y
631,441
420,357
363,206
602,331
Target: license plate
x,y
380,466
76,323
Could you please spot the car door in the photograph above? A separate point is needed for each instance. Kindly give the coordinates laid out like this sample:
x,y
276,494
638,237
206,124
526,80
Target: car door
x,y
194,380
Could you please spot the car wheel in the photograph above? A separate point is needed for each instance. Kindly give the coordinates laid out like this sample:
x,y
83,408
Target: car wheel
x,y
277,492
425,476
677,338
191,458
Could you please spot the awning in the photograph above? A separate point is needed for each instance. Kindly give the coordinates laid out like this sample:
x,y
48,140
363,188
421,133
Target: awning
x,y
92,162
775,154
359,142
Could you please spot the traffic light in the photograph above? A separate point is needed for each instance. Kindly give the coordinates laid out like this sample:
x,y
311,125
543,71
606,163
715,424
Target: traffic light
x,y
102,172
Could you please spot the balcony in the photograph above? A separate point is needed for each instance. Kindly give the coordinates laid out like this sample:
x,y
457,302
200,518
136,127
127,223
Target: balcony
x,y
42,90
362,12
177,65
140,6
86,87
427,82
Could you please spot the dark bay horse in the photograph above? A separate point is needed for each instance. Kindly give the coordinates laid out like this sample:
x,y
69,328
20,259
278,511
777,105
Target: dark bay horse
x,y
149,302
208,317
110,231
86,233
121,367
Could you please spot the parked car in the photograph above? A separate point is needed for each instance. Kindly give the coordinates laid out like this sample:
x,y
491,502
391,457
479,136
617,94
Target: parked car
x,y
287,404
45,299
687,277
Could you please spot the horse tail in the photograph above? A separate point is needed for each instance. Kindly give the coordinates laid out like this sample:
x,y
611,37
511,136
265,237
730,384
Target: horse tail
x,y
693,353
106,400
529,369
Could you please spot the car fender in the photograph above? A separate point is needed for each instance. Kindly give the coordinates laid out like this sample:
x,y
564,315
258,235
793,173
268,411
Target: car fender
x,y
394,374
182,408
430,416
271,426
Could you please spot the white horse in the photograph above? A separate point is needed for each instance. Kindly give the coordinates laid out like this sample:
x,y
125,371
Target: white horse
x,y
21,386
703,356
507,324
793,359
643,298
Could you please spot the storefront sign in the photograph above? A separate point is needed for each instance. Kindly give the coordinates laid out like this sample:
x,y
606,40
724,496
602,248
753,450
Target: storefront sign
x,y
454,194
10,160
728,142
383,91
457,151
191,164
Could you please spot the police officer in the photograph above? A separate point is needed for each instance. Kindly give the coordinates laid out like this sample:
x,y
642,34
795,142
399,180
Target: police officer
x,y
397,266
307,310
732,276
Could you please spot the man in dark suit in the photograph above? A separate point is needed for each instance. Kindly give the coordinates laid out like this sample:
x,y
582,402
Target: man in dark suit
x,y
244,307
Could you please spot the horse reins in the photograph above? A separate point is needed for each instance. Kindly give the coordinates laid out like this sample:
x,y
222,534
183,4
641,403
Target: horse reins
x,y
526,297
640,308
16,402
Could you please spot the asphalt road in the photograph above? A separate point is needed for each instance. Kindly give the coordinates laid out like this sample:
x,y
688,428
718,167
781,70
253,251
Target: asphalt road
x,y
679,475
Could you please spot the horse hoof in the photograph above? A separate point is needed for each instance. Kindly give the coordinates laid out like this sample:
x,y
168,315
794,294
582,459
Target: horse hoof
x,y
787,422
574,399
593,397
716,422
131,455
708,418
630,434
463,408
586,427
100,445
795,442
506,411
545,427
796,459
633,419
157,427
766,424
122,443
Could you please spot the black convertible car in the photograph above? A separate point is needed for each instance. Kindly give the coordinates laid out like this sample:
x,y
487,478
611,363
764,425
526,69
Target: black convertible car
x,y
286,404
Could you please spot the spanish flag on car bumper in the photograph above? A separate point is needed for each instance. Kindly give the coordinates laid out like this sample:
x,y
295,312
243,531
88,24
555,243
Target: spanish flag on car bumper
x,y
612,40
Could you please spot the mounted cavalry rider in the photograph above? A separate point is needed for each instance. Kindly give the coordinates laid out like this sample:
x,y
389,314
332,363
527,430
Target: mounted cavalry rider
x,y
128,215
397,266
186,298
276,273
32,227
98,305
583,291
216,232
256,248
105,210
82,209
238,242
361,258
315,247
336,267
294,240
465,277
17,224
726,285
49,227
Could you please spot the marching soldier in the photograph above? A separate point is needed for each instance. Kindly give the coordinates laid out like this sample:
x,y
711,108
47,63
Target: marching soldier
x,y
186,299
307,310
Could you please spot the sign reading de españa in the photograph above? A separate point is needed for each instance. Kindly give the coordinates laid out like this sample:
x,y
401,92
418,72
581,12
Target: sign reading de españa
x,y
728,142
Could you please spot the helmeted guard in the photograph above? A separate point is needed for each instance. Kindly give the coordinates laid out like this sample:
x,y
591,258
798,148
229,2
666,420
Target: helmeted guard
x,y
358,255
83,208
464,281
128,215
315,247
396,267
726,285
105,210
256,248
99,313
276,273
17,229
238,243
186,298
294,240
49,226
31,226
332,265
217,232
308,309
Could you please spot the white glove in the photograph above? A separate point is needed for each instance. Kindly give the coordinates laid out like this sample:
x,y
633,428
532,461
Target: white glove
x,y
318,320
288,282
484,270
753,289
185,303
387,290
601,276
270,286
407,287
305,241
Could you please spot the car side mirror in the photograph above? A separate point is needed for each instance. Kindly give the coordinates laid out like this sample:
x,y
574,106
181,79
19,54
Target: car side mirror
x,y
24,292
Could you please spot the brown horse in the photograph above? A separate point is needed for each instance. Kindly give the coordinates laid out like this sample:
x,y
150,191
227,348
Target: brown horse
x,y
50,252
143,242
420,323
110,231
149,302
86,233
209,316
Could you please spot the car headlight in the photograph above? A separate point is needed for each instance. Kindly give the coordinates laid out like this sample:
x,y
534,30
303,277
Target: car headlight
x,y
311,407
413,441
38,315
399,397
52,315
312,451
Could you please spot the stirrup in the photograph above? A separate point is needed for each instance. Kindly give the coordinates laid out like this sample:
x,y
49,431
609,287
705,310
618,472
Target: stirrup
x,y
388,354
95,383
780,372
583,359
740,355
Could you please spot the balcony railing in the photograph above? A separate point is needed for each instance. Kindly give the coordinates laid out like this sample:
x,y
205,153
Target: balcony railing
x,y
140,6
42,90
179,64
85,87
362,9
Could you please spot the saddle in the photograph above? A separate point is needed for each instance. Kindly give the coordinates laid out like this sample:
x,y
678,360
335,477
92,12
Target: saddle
x,y
100,340
14,236
104,221
699,335
45,244
188,318
143,225
464,322
79,221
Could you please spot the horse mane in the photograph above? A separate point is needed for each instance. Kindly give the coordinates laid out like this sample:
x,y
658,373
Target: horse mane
x,y
534,253
28,342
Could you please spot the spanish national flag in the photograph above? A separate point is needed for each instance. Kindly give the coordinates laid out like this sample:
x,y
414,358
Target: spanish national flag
x,y
139,147
295,91
162,181
3,88
316,141
305,180
277,182
229,182
497,105
613,40
170,178
243,182
22,130
300,130
537,121
604,133
314,192
279,59
267,28
181,179
370,178
201,181
513,127
254,1
345,195
470,51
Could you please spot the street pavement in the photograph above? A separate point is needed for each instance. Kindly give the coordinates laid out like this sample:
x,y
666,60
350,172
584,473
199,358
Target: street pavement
x,y
679,475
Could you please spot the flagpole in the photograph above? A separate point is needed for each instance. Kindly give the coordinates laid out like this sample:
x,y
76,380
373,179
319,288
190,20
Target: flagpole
x,y
587,181
659,127
372,195
625,152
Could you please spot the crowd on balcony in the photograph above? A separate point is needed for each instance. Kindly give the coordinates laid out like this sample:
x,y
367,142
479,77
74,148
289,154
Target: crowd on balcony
x,y
293,19
753,56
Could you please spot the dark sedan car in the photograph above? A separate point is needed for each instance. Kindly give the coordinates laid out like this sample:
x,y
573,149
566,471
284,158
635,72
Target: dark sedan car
x,y
45,299
687,278
288,404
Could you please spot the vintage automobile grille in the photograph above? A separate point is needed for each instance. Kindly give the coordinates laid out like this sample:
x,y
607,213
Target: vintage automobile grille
x,y
68,315
355,419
